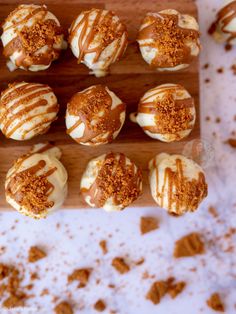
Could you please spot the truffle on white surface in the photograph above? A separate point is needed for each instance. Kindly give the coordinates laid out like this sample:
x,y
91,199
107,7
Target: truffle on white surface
x,y
166,113
27,110
177,183
36,185
111,181
223,28
95,116
32,38
98,38
169,40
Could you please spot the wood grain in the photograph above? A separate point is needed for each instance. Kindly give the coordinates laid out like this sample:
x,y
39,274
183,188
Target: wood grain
x,y
129,78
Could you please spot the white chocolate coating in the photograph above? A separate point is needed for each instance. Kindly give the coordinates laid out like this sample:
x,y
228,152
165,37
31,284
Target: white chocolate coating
x,y
87,44
162,185
27,15
149,48
58,179
79,126
148,113
27,110
90,176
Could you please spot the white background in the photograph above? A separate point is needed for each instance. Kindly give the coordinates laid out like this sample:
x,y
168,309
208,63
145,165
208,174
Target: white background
x,y
75,242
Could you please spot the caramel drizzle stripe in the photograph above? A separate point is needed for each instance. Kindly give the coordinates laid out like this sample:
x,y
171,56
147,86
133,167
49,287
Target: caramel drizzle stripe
x,y
226,19
53,108
73,127
161,90
27,17
85,40
43,149
23,93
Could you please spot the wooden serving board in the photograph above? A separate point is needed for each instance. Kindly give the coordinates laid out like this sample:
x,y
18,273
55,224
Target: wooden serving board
x,y
129,78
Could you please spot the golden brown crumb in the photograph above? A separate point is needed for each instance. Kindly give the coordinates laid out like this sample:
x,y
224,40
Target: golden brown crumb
x,y
148,224
13,301
174,289
103,246
35,254
82,275
215,303
233,68
189,245
63,308
231,142
212,210
4,271
120,265
100,305
157,291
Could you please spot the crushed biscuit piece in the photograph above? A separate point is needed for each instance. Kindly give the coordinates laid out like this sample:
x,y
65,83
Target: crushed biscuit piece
x,y
4,271
63,308
82,275
35,254
13,301
215,303
231,142
120,265
189,245
148,224
157,291
175,289
103,246
100,305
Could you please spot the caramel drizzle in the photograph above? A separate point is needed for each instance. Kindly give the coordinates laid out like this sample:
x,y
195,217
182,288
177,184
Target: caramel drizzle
x,y
86,105
29,57
18,95
30,190
106,27
225,16
181,191
153,107
115,180
169,39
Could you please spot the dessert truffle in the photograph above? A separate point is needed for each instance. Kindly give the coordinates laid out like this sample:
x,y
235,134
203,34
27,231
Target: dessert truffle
x,y
169,40
223,28
111,181
27,110
36,185
32,38
166,113
98,38
177,183
95,116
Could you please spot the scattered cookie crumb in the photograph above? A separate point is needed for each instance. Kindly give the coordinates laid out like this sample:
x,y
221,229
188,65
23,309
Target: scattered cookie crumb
x,y
63,308
103,246
231,142
212,210
218,120
157,291
233,68
148,224
189,245
13,301
35,254
220,70
207,118
174,289
207,81
120,265
215,303
100,305
228,47
4,271
82,275
206,66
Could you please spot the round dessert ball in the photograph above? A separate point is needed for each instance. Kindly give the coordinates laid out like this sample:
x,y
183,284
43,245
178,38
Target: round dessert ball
x,y
27,110
166,113
95,116
177,183
168,40
36,185
111,181
32,38
98,38
224,28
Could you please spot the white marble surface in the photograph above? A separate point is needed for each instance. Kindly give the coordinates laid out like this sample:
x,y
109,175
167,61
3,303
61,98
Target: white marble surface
x,y
75,243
